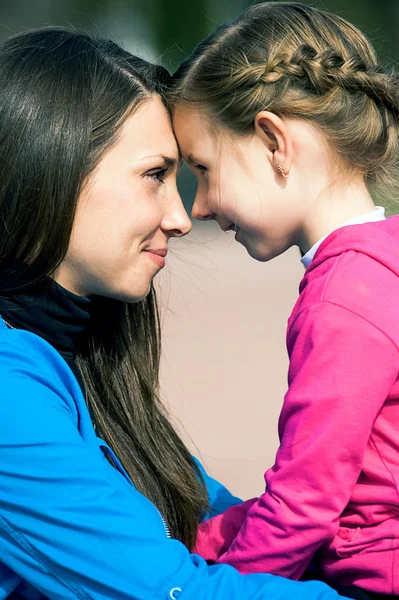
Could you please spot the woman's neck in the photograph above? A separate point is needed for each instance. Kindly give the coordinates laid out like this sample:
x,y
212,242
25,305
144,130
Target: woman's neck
x,y
47,309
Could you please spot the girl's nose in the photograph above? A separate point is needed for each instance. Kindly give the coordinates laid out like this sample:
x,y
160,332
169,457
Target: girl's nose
x,y
201,210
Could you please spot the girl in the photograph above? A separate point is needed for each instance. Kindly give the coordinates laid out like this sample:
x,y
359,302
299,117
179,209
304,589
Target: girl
x,y
289,123
99,498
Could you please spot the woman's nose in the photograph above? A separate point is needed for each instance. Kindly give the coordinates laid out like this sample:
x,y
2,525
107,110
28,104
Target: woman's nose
x,y
177,223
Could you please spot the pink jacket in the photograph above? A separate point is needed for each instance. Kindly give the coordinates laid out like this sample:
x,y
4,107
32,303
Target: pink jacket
x,y
334,486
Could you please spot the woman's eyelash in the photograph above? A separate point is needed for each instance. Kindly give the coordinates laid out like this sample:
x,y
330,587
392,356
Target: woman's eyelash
x,y
200,168
158,175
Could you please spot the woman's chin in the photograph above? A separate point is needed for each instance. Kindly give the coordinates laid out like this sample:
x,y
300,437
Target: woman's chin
x,y
129,294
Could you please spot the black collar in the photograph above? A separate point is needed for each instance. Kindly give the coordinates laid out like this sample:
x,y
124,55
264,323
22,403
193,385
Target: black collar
x,y
49,310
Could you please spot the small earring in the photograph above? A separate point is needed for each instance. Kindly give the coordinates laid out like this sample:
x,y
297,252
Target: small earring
x,y
280,171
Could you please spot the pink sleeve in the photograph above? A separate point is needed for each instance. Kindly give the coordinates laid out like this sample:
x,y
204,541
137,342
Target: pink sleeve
x,y
341,371
216,535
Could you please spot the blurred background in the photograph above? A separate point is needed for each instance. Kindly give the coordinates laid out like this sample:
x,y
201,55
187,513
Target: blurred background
x,y
224,368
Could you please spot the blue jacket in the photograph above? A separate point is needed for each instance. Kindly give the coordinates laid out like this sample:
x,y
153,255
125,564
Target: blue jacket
x,y
73,526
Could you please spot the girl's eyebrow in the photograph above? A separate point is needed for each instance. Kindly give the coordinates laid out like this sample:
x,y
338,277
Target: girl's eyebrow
x,y
191,159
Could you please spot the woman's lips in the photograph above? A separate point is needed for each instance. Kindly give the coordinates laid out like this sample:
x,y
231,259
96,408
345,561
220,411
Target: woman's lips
x,y
157,255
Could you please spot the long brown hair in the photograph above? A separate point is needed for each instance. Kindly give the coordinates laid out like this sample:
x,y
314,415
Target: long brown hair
x,y
299,61
64,97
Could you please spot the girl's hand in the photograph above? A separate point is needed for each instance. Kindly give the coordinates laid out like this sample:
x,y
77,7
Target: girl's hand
x,y
216,534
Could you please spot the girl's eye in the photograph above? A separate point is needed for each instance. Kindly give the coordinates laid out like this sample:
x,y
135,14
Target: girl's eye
x,y
200,168
158,175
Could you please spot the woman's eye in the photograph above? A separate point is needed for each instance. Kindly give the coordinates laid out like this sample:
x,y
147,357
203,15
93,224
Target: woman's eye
x,y
201,168
158,175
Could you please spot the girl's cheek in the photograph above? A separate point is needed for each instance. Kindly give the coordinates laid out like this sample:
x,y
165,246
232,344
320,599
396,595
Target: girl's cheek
x,y
214,201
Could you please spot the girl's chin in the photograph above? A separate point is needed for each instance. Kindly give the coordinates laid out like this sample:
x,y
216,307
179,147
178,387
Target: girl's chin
x,y
258,253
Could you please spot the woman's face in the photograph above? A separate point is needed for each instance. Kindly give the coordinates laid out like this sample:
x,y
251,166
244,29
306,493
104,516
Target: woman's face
x,y
127,212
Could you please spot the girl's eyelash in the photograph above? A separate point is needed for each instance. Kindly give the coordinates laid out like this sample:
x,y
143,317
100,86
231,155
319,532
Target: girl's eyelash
x,y
158,175
201,168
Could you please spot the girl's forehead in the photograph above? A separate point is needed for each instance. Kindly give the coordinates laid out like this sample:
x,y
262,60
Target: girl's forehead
x,y
191,115
193,130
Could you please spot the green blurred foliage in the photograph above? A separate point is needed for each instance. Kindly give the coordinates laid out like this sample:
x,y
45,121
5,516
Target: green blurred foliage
x,y
180,24
174,27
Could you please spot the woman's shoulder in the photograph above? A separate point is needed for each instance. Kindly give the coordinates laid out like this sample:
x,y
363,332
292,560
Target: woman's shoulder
x,y
18,347
29,364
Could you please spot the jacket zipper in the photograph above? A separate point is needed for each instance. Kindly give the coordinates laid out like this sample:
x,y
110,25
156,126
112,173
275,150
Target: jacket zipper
x,y
166,526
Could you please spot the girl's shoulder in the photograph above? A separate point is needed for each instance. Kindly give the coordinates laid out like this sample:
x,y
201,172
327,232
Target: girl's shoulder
x,y
357,269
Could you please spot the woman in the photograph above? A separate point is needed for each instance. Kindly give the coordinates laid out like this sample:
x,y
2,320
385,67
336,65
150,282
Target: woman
x,y
99,498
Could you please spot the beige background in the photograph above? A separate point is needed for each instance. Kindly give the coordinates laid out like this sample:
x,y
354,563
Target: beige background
x,y
224,367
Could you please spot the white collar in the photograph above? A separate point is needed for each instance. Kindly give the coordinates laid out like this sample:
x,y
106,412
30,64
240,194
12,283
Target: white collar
x,y
378,214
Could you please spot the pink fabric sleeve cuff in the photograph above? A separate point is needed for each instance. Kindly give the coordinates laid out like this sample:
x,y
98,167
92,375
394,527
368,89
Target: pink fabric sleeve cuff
x,y
217,534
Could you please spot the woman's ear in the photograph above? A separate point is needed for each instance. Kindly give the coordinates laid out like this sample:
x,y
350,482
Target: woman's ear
x,y
276,137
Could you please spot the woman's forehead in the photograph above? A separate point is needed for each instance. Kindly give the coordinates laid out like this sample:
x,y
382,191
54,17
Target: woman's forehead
x,y
148,133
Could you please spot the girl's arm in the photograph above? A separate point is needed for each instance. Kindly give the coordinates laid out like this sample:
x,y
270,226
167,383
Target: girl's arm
x,y
71,525
216,535
342,369
221,525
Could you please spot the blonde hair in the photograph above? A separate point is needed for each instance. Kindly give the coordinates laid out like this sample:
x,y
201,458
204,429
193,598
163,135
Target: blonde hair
x,y
302,62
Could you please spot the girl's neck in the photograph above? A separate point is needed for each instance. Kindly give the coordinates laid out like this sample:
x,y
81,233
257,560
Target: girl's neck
x,y
331,210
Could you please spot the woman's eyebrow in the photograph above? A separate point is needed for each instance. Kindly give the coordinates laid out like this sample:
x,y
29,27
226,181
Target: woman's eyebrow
x,y
172,162
169,161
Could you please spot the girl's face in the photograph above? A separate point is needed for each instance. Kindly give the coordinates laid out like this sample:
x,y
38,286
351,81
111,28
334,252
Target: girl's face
x,y
127,212
238,184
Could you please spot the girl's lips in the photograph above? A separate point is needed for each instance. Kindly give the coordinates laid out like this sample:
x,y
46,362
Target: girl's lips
x,y
232,228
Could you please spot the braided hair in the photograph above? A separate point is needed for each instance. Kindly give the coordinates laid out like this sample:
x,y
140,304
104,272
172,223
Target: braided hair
x,y
299,62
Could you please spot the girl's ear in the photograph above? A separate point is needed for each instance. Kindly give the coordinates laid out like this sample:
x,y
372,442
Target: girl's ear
x,y
277,139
